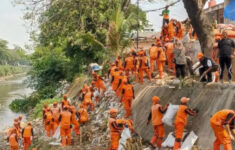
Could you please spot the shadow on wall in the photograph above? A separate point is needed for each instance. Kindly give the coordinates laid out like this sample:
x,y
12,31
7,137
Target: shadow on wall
x,y
208,99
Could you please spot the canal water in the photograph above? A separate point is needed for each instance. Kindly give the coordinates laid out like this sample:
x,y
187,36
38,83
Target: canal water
x,y
11,89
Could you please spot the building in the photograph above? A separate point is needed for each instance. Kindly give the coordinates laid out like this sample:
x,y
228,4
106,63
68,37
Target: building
x,y
217,10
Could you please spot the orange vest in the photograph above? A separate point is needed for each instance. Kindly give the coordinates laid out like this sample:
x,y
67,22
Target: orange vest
x,y
169,47
49,116
27,131
156,115
112,70
83,118
12,140
128,90
65,119
116,76
144,60
153,52
129,62
55,112
119,63
220,117
171,27
65,102
181,116
88,96
162,55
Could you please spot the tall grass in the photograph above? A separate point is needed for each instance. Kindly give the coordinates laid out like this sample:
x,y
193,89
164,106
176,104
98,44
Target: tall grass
x,y
6,70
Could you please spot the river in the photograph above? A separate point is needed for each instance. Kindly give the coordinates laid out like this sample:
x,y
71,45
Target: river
x,y
10,90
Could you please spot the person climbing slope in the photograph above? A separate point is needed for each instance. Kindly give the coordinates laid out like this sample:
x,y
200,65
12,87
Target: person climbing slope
x,y
56,114
156,114
116,126
161,58
143,66
153,58
87,101
119,63
76,124
49,122
127,96
99,82
65,120
27,133
181,121
82,114
169,46
129,64
13,140
222,123
65,101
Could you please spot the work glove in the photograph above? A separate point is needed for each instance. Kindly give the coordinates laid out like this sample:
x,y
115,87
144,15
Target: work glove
x,y
126,126
196,110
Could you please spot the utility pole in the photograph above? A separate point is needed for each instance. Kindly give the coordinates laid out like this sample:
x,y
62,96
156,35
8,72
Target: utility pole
x,y
138,25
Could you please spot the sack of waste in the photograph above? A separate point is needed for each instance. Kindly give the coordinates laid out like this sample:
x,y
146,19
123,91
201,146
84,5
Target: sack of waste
x,y
189,141
168,118
170,140
57,133
126,134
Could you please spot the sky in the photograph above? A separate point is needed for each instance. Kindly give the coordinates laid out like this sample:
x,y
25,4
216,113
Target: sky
x,y
13,29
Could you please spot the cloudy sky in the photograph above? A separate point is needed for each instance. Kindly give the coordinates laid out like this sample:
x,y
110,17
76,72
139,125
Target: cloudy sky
x,y
12,26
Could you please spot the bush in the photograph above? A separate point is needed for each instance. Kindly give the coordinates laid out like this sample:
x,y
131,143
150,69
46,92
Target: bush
x,y
6,70
37,113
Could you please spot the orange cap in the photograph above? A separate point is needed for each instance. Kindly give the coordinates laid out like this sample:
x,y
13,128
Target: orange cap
x,y
124,80
64,96
29,123
184,100
20,117
48,109
16,120
113,64
166,39
200,55
113,111
55,103
93,73
155,99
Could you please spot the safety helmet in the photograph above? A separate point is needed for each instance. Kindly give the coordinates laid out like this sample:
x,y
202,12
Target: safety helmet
x,y
125,80
16,120
200,55
155,99
184,100
113,111
48,109
55,103
29,123
65,96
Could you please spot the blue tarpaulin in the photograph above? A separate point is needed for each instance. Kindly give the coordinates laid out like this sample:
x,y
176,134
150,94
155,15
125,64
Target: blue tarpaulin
x,y
229,11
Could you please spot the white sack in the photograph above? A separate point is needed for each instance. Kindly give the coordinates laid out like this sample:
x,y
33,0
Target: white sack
x,y
189,141
126,134
168,118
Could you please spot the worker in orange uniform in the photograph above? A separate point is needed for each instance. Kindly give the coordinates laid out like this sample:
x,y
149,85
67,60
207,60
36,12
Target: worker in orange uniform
x,y
127,96
56,114
129,64
222,124
143,66
27,133
179,30
153,57
65,101
161,58
13,140
115,79
181,121
171,30
170,55
118,62
49,122
99,82
122,77
74,119
116,126
82,114
111,70
20,119
65,120
16,126
156,115
87,100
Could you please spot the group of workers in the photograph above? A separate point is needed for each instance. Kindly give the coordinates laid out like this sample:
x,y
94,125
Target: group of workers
x,y
18,133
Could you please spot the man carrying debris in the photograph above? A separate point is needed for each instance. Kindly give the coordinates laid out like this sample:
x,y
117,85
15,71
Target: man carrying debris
x,y
65,120
74,120
56,114
226,54
49,122
153,57
99,82
116,126
161,58
82,114
208,66
222,124
65,101
27,133
156,115
127,96
181,121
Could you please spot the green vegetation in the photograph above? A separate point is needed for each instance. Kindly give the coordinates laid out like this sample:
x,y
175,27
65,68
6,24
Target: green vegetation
x,y
37,113
75,33
6,70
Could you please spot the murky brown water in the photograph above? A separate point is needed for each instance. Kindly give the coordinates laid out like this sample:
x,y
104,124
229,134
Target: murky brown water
x,y
10,90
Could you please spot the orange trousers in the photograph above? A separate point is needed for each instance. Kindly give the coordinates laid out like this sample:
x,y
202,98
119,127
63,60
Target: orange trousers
x,y
27,143
222,137
160,68
127,70
50,129
152,61
141,74
114,85
127,101
158,136
179,131
100,85
65,133
14,147
170,59
171,34
76,127
115,136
